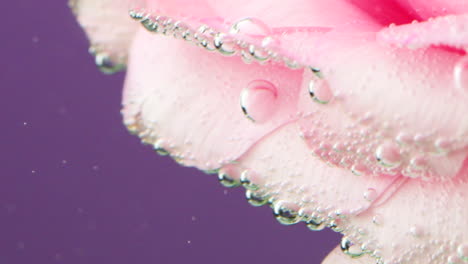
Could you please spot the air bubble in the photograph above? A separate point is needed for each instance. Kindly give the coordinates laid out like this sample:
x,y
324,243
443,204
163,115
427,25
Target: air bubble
x,y
462,252
320,91
106,64
350,249
377,219
315,224
358,169
224,46
370,195
226,180
443,145
160,147
252,27
418,162
285,215
416,231
248,179
453,260
388,155
256,199
259,100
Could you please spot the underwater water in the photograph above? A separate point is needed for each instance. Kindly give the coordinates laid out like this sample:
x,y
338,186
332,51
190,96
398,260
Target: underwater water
x,y
76,187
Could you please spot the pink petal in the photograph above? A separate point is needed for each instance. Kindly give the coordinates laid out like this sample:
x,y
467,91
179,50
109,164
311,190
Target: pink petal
x,y
385,11
422,223
287,172
338,257
433,8
109,30
402,221
398,104
448,31
304,13
192,108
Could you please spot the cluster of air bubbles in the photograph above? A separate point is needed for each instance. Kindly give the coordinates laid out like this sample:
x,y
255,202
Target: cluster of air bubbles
x,y
257,102
239,39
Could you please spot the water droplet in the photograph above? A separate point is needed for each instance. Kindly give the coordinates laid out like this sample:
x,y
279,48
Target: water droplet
x,y
334,226
377,219
418,162
416,231
106,64
460,75
315,224
226,180
320,91
160,147
249,180
270,41
223,45
284,215
350,249
443,145
462,252
403,138
453,260
388,155
252,27
258,100
370,195
358,169
256,199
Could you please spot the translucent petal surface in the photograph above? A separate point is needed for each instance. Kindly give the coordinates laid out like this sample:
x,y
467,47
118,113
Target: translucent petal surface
x,y
450,31
192,108
390,113
108,27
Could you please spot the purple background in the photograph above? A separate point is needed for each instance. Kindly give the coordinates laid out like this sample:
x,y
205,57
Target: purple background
x,y
75,187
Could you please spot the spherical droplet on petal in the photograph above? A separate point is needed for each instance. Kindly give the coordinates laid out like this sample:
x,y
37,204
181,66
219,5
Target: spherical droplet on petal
x,y
388,155
250,26
350,249
258,100
320,91
255,198
370,195
284,214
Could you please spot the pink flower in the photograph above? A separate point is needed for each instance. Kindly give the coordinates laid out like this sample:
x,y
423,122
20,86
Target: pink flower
x,y
350,114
